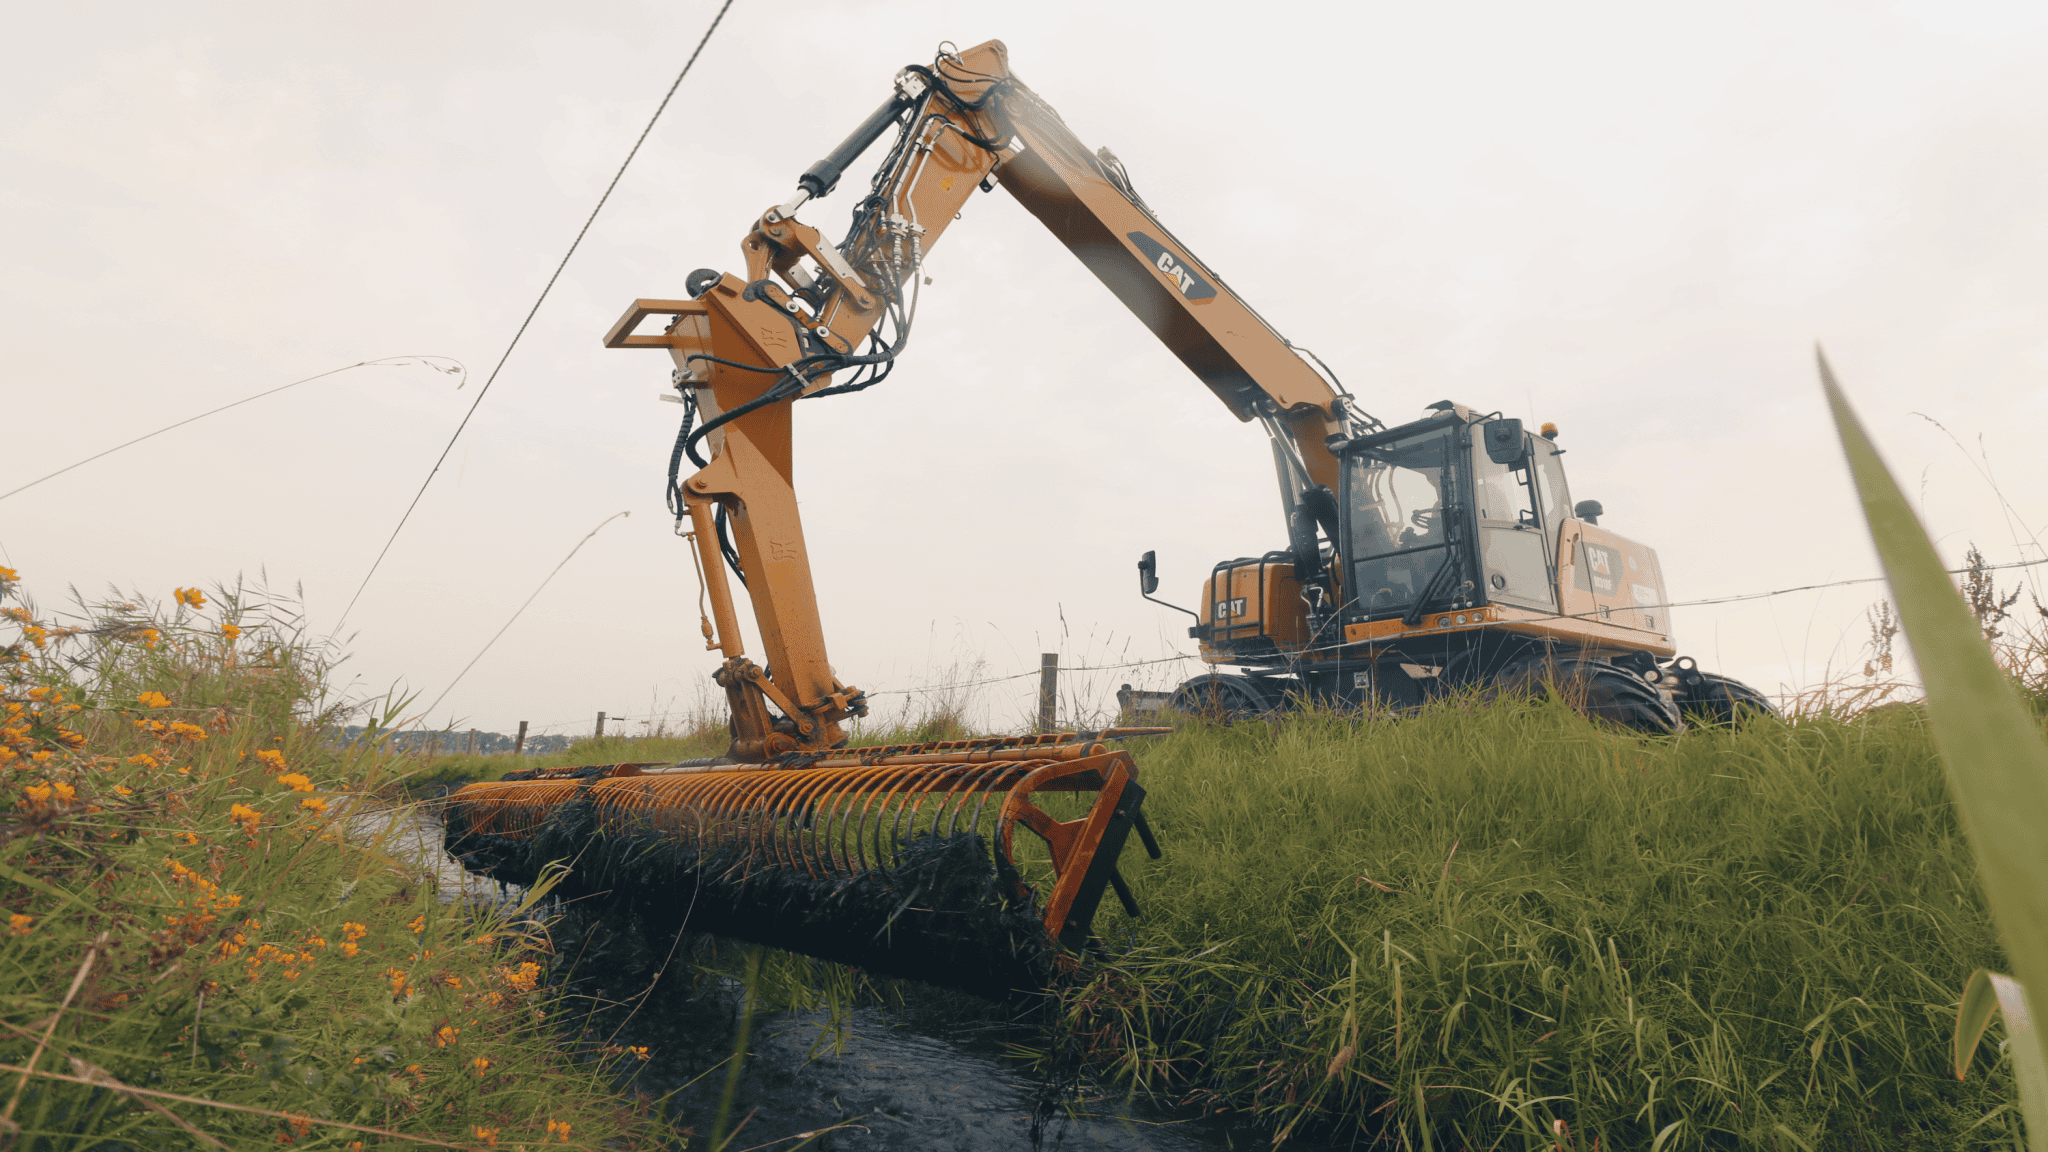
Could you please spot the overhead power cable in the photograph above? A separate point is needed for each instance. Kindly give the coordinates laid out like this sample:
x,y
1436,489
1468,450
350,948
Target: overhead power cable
x,y
388,361
530,313
429,710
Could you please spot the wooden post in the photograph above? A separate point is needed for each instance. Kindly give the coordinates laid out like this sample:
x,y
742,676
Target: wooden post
x,y
1048,690
600,725
472,742
519,742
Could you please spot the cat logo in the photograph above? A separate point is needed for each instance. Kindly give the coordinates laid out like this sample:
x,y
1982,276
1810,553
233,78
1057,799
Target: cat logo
x,y
1230,609
1596,569
1176,271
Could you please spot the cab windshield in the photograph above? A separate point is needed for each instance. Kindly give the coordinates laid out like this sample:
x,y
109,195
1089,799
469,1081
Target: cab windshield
x,y
1394,505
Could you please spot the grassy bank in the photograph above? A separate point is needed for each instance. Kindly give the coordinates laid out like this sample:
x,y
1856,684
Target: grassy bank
x,y
206,942
1505,927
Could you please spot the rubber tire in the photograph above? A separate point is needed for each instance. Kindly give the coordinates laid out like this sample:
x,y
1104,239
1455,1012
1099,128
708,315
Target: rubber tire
x,y
1599,691
1717,701
1220,697
1484,659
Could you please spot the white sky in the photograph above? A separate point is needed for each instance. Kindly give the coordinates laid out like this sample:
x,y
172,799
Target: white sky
x,y
1634,220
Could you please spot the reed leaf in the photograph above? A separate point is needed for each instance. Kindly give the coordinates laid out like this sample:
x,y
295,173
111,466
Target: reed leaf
x,y
1996,760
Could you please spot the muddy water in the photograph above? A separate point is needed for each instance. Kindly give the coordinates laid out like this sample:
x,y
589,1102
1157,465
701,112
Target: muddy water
x,y
896,1080
912,1078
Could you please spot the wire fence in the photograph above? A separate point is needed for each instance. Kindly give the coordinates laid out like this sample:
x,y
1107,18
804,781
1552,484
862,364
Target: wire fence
x,y
688,719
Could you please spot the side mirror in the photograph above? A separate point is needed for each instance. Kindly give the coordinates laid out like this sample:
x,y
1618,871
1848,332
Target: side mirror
x,y
1148,573
1504,442
1588,510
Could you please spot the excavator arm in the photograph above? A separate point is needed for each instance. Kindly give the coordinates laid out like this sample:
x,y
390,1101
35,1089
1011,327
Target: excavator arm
x,y
809,318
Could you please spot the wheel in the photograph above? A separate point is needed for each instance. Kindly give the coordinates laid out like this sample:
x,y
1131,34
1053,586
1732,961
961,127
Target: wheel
x,y
1222,697
1485,657
1598,691
1715,701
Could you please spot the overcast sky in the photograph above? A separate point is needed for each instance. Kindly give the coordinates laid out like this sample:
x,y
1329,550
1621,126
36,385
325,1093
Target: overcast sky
x,y
1633,220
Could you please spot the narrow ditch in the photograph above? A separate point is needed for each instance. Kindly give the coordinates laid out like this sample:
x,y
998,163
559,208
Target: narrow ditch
x,y
919,1077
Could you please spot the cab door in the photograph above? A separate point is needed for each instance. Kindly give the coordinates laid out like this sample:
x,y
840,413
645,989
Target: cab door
x,y
1514,545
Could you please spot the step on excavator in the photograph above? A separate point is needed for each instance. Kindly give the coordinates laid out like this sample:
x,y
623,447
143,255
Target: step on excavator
x,y
1440,554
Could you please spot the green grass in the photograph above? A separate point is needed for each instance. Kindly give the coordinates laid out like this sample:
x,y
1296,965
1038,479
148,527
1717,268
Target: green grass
x,y
198,949
1465,929
447,772
438,772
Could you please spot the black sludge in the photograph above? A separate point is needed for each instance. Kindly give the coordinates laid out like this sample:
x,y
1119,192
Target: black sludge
x,y
943,912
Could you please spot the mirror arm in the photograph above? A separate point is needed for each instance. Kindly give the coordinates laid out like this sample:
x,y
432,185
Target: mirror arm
x,y
1175,607
1148,583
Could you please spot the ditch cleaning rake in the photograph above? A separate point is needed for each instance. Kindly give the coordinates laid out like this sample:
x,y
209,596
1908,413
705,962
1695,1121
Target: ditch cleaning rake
x,y
900,860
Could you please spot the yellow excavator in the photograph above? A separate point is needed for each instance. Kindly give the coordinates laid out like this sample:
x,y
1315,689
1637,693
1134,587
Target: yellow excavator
x,y
1439,555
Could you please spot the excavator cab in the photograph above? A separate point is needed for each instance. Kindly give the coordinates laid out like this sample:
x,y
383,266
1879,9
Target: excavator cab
x,y
1458,562
1453,512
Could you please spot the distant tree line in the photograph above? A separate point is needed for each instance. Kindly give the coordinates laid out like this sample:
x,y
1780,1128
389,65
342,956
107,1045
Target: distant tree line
x,y
450,742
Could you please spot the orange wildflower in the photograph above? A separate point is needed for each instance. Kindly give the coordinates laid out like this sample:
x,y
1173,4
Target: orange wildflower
x,y
153,700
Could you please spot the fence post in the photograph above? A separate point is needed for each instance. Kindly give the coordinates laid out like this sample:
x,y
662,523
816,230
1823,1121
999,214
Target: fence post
x,y
600,725
472,742
1048,690
519,742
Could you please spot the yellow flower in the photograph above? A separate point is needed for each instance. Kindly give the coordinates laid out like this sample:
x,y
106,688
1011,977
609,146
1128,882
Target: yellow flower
x,y
453,981
418,925
639,1053
522,978
188,731
9,575
38,693
296,782
480,1064
559,1129
313,804
488,1135
246,816
65,793
192,596
153,700
190,838
38,793
39,756
273,760
445,1035
230,631
7,754
21,923
144,761
123,790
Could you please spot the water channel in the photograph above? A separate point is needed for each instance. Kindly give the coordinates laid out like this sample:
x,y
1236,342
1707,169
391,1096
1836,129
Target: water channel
x,y
929,1074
